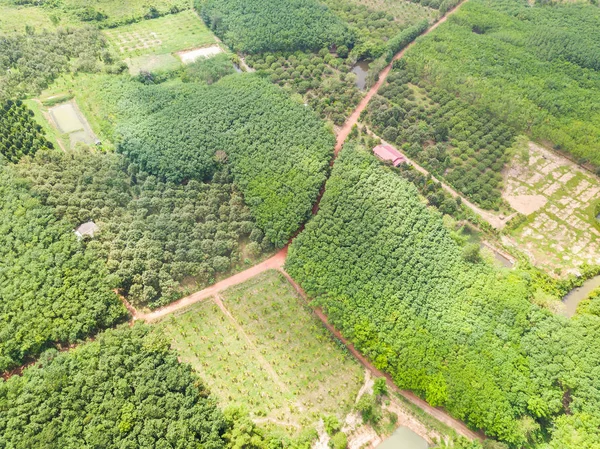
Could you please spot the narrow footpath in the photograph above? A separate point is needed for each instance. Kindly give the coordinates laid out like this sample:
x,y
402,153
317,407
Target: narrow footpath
x,y
278,260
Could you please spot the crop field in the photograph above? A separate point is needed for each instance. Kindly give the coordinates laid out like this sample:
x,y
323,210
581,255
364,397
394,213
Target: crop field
x,y
159,36
559,200
260,346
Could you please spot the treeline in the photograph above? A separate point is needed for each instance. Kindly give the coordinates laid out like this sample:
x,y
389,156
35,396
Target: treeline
x,y
153,234
278,150
53,289
126,389
20,135
442,5
30,62
454,140
535,68
459,332
257,26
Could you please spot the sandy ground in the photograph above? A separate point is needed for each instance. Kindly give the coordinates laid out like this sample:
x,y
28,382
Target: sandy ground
x,y
189,56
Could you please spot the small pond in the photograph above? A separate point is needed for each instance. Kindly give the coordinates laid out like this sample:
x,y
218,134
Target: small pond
x,y
578,294
499,257
361,70
237,68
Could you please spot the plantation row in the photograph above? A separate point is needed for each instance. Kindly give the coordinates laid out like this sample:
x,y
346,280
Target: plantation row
x,y
459,332
454,140
534,68
20,135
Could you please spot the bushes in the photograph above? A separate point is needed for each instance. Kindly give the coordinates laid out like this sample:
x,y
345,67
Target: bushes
x,y
257,26
19,133
208,70
277,149
153,234
126,389
53,289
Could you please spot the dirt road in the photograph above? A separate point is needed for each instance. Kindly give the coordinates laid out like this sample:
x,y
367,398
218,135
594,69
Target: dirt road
x,y
275,262
345,130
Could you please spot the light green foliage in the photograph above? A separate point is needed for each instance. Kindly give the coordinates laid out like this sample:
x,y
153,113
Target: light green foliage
x,y
271,355
380,387
256,26
53,289
339,441
208,70
369,409
332,424
551,48
19,133
278,150
154,234
166,34
322,79
126,389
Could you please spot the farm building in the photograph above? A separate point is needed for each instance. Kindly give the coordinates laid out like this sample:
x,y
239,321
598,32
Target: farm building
x,y
404,438
387,152
88,229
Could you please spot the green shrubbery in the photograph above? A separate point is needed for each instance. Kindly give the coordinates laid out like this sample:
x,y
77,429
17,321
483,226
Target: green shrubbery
x,y
256,26
52,289
462,334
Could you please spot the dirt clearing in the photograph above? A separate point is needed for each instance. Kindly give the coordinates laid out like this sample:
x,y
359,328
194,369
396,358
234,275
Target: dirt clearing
x,y
190,56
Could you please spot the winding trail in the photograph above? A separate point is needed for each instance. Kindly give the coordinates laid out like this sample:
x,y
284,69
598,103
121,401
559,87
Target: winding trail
x,y
278,260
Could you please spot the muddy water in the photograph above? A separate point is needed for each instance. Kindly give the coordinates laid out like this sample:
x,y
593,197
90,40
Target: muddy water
x,y
578,294
499,257
361,70
237,68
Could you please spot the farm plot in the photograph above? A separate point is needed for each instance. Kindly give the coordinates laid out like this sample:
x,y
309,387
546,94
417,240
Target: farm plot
x,y
261,347
559,200
160,36
68,119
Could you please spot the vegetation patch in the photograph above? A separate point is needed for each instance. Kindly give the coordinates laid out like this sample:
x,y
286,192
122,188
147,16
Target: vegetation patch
x,y
257,26
20,135
53,288
262,348
394,281
556,94
126,386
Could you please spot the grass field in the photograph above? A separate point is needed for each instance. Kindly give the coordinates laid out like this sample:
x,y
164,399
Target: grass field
x,y
260,346
117,10
159,36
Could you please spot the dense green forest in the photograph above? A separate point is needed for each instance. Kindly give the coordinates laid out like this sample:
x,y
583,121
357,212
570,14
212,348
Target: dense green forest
x,y
451,138
30,62
154,234
126,389
53,289
256,26
443,323
535,68
20,135
277,149
323,80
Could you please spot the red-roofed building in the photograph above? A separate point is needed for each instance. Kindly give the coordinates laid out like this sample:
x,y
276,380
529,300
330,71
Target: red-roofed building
x,y
389,153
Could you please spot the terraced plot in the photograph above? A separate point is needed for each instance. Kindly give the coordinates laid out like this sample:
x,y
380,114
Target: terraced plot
x,y
261,347
559,199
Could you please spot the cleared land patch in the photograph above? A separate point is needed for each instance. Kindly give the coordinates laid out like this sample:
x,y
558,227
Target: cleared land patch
x,y
160,36
187,57
264,349
559,199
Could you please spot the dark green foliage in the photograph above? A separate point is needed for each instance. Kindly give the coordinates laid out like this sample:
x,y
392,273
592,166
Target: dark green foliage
x,y
535,68
30,62
256,26
456,141
124,390
278,149
19,133
208,70
321,78
153,234
403,38
52,289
